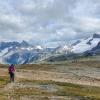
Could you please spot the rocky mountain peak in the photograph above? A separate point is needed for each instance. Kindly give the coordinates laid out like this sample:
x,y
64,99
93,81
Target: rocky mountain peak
x,y
96,35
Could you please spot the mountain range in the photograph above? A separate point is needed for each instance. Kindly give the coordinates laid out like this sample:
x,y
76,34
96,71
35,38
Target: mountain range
x,y
23,52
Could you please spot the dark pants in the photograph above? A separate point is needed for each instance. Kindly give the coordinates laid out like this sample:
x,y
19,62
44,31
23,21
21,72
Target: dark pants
x,y
11,76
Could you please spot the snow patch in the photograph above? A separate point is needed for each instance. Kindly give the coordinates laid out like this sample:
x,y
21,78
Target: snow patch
x,y
83,46
39,47
3,52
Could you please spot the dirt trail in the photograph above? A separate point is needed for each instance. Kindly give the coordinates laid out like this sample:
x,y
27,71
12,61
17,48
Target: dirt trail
x,y
45,75
9,90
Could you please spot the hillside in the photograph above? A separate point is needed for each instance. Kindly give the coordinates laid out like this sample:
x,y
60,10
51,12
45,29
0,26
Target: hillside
x,y
55,81
23,52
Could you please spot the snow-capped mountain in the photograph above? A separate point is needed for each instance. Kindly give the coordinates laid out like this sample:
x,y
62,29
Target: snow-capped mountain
x,y
18,53
21,53
65,49
80,46
86,44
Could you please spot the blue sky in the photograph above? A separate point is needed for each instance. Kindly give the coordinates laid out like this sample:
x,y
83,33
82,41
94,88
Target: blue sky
x,y
42,21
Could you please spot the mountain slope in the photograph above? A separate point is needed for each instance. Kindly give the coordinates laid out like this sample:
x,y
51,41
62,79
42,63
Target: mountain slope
x,y
86,44
18,53
22,53
80,48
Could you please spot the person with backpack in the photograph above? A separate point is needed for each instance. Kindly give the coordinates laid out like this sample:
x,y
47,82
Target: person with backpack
x,y
11,70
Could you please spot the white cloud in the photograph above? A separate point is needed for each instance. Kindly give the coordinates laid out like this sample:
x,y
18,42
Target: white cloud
x,y
48,20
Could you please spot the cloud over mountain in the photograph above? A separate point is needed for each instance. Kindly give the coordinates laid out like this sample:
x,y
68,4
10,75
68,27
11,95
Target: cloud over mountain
x,y
43,21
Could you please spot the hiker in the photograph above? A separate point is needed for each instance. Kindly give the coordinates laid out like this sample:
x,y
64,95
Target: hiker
x,y
11,70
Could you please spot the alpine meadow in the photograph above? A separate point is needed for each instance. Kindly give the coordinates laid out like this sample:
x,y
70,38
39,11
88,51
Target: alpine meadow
x,y
49,50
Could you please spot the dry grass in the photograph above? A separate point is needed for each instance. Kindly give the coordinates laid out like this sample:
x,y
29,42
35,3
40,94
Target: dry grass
x,y
3,81
21,89
64,89
53,66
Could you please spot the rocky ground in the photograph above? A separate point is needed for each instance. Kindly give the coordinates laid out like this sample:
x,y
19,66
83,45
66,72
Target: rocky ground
x,y
63,81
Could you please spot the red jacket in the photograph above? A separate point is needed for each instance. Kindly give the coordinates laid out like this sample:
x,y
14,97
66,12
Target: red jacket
x,y
11,69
